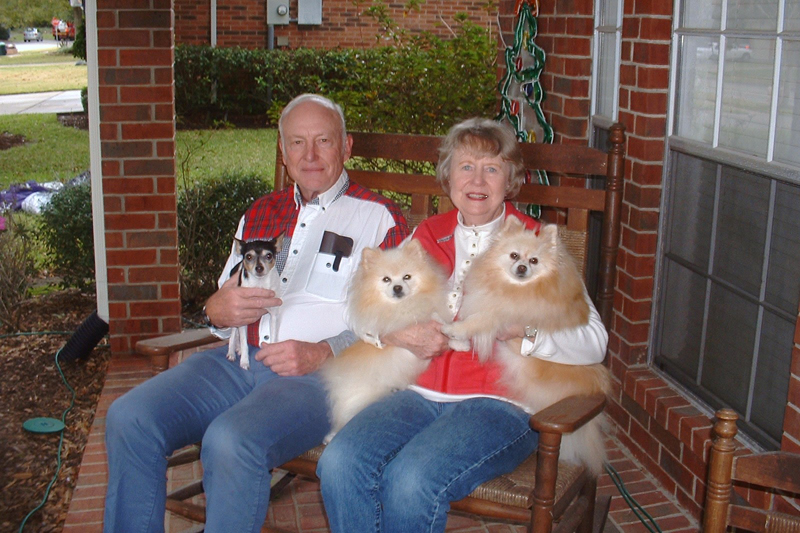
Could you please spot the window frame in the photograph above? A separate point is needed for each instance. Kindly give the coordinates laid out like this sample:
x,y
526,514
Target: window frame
x,y
767,167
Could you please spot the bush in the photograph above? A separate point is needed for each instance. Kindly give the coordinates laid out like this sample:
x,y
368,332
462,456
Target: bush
x,y
422,84
78,48
208,213
16,272
5,33
65,228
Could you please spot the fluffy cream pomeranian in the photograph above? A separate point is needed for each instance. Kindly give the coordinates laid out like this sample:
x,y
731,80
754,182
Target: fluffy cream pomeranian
x,y
525,279
391,289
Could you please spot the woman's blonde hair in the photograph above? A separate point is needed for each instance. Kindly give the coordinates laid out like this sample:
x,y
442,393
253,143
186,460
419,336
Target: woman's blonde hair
x,y
487,138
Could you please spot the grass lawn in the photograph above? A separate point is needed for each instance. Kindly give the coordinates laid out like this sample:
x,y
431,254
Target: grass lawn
x,y
38,57
51,153
42,78
54,152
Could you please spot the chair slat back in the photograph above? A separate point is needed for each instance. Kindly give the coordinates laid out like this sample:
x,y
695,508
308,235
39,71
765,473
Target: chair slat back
x,y
570,160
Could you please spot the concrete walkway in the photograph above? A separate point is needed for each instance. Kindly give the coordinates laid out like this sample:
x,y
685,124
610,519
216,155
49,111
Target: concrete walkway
x,y
49,102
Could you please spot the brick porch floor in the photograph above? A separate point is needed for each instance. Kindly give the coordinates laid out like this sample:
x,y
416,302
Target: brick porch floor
x,y
300,509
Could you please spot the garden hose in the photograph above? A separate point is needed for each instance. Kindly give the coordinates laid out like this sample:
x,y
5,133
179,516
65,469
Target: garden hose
x,y
632,503
60,445
82,342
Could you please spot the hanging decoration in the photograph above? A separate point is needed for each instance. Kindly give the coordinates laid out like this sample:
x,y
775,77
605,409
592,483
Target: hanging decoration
x,y
521,92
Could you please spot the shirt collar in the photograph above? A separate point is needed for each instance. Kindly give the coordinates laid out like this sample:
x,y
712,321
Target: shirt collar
x,y
485,229
328,197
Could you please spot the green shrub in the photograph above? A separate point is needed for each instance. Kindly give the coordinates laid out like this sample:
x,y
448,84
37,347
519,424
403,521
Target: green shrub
x,y
4,33
16,272
65,228
208,213
78,48
422,84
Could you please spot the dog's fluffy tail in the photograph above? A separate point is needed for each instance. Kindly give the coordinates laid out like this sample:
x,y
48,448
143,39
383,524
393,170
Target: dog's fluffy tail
x,y
587,445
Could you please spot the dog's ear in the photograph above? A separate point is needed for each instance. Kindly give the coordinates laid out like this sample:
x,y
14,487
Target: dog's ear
x,y
238,244
512,224
549,232
414,246
368,255
279,243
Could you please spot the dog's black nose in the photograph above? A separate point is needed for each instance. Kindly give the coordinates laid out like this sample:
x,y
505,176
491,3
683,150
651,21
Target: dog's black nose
x,y
260,269
522,270
398,290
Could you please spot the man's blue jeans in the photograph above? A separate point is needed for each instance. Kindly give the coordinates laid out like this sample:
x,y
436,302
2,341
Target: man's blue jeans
x,y
249,421
400,462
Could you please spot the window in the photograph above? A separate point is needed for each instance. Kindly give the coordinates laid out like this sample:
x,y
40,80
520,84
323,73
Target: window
x,y
607,45
605,107
729,257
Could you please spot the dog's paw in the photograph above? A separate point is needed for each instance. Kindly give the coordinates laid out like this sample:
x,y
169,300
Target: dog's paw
x,y
231,356
460,345
449,329
244,363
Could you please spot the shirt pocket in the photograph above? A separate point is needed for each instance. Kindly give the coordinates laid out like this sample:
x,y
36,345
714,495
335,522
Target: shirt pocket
x,y
324,281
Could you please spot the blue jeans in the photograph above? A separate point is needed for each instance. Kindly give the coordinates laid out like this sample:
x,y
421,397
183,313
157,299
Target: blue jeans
x,y
249,421
400,462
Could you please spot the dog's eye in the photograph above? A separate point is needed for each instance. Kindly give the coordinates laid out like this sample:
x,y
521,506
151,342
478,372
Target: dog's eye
x,y
514,256
387,279
407,277
534,260
268,256
248,256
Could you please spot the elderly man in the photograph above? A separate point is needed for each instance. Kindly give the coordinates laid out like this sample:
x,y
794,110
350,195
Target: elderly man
x,y
252,420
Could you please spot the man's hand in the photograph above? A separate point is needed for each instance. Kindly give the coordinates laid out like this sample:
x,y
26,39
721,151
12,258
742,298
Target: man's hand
x,y
294,358
234,306
425,340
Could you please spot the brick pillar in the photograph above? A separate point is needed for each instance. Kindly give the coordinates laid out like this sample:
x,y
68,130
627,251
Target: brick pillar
x,y
565,32
137,133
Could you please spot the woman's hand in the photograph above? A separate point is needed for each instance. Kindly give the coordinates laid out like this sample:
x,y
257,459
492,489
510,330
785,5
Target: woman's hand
x,y
234,306
425,340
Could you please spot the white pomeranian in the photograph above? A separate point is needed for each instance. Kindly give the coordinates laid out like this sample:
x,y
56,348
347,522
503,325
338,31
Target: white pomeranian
x,y
525,279
391,289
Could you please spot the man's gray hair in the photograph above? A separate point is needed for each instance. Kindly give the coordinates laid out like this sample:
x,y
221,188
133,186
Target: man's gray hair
x,y
321,100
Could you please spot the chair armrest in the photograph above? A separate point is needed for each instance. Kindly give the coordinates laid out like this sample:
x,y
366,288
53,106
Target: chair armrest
x,y
158,349
569,414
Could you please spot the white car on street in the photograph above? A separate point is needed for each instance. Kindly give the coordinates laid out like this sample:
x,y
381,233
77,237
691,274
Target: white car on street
x,y
32,34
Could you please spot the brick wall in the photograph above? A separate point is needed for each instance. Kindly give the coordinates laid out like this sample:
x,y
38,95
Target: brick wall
x,y
244,23
137,137
665,431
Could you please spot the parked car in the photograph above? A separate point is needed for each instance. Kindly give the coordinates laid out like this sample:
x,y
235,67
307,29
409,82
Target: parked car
x,y
739,52
31,34
734,51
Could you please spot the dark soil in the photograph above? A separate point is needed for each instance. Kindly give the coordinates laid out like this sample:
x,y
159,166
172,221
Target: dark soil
x,y
31,387
9,140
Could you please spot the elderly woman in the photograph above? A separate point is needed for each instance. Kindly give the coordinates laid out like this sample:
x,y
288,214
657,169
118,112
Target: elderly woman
x,y
399,463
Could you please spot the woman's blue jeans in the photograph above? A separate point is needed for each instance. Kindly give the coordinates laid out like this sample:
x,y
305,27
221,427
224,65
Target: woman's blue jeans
x,y
400,462
249,421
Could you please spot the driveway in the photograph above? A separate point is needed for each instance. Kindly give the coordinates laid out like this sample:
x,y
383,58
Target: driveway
x,y
50,102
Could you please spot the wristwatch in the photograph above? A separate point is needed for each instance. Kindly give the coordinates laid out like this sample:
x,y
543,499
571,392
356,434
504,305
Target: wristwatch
x,y
206,321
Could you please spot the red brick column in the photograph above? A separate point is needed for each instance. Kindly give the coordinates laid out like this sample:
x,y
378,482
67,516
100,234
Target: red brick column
x,y
137,132
565,32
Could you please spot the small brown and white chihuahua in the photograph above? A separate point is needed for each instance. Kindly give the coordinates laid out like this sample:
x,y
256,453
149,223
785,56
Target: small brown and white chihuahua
x,y
256,269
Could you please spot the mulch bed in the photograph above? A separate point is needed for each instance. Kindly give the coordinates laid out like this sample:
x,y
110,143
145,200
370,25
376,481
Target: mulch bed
x,y
32,387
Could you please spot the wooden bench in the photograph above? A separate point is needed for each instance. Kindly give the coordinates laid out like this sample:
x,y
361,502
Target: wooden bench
x,y
541,491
